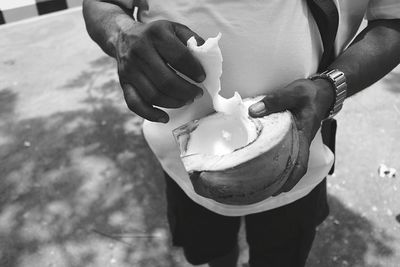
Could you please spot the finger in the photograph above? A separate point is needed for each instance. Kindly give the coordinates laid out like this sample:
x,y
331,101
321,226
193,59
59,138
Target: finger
x,y
136,104
147,90
310,123
173,50
184,33
165,79
300,165
277,101
292,97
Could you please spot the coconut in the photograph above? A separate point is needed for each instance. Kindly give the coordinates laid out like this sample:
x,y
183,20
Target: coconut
x,y
229,156
224,167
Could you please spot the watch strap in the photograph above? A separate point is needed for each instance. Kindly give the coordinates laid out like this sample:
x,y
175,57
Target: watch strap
x,y
338,80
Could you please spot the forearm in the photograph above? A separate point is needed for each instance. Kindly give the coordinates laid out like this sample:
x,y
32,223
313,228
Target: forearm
x,y
104,20
373,54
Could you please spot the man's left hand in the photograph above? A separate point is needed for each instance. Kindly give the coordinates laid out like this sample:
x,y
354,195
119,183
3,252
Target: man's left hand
x,y
309,102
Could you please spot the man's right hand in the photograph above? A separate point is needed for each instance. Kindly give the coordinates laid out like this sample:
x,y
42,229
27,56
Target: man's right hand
x,y
147,56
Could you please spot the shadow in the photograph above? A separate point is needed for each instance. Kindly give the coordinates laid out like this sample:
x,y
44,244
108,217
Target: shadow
x,y
81,188
104,66
8,99
345,238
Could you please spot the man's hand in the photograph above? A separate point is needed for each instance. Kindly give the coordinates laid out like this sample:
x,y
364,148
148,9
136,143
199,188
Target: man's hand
x,y
309,101
147,56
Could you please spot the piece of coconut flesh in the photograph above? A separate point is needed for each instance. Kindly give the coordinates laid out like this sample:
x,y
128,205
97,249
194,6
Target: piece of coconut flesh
x,y
220,134
230,128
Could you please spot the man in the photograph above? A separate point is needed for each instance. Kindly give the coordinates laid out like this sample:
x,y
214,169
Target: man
x,y
269,48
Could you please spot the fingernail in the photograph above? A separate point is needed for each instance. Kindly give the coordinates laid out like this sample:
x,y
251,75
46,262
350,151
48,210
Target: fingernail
x,y
163,119
258,108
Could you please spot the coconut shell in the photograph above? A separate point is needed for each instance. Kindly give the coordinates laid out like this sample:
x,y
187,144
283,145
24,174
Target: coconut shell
x,y
249,174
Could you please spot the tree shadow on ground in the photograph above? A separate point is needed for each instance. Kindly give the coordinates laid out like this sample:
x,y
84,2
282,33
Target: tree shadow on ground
x,y
71,175
82,188
8,99
345,238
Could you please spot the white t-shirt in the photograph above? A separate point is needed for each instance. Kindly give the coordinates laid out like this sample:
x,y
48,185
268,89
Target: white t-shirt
x,y
265,45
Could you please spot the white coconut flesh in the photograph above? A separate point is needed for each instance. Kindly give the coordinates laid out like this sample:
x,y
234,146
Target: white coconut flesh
x,y
230,128
210,151
222,140
219,135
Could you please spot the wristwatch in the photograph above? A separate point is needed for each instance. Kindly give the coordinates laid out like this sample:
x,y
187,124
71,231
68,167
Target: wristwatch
x,y
338,80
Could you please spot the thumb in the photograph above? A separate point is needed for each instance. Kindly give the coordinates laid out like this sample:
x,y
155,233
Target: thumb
x,y
271,103
184,33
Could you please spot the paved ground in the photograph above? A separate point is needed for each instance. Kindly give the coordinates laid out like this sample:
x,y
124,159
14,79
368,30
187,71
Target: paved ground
x,y
79,186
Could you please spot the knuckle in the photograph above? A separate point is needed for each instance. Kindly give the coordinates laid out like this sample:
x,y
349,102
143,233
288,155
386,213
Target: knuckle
x,y
180,25
127,63
181,57
129,103
123,63
157,28
139,48
123,71
129,100
123,59
154,31
152,96
302,92
167,83
127,47
155,99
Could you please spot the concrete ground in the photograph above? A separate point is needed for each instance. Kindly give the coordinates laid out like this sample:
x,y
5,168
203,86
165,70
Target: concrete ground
x,y
79,186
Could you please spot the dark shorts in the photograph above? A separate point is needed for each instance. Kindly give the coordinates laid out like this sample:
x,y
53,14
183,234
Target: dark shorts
x,y
277,237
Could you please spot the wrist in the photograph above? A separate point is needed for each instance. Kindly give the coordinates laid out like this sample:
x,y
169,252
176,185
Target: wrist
x,y
124,27
337,80
325,96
